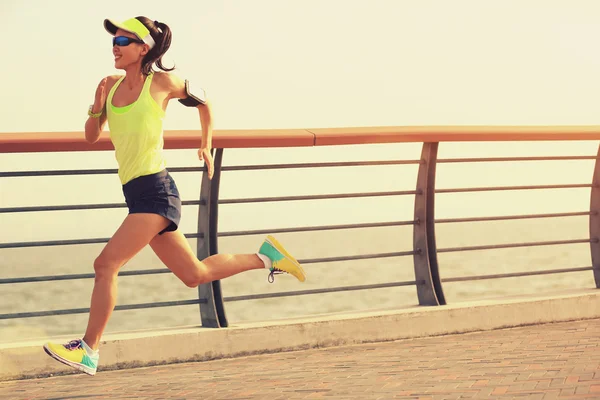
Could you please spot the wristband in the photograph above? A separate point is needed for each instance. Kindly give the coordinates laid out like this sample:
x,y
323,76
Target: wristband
x,y
91,114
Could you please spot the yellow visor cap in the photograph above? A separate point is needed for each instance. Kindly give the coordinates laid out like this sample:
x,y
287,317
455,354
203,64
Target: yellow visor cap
x,y
133,26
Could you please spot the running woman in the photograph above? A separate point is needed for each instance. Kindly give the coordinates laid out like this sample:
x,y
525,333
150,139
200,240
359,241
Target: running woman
x,y
134,106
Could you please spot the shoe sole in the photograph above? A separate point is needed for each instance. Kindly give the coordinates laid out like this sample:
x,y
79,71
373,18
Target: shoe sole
x,y
273,242
71,364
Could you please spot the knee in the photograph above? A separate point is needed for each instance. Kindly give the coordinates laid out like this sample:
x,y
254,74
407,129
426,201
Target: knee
x,y
190,282
197,278
194,281
105,269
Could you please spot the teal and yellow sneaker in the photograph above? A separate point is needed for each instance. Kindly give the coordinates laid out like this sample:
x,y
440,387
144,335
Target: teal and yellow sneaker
x,y
281,260
74,355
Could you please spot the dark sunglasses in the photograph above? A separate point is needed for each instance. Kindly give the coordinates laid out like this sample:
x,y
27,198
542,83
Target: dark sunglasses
x,y
125,41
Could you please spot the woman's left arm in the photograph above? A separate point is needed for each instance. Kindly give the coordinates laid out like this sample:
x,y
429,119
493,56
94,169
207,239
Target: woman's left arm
x,y
175,87
206,144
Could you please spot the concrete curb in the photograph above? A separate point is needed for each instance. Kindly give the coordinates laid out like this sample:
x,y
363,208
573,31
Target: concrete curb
x,y
128,350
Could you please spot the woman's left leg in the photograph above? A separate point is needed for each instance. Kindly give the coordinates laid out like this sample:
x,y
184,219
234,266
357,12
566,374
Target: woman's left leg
x,y
174,251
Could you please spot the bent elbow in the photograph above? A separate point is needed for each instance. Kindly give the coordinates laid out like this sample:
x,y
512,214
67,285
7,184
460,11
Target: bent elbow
x,y
91,140
92,136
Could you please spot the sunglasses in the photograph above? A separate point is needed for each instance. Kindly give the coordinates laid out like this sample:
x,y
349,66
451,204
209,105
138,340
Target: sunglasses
x,y
125,41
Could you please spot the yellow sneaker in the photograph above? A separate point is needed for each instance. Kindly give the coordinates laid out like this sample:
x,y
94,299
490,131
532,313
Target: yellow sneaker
x,y
74,355
281,260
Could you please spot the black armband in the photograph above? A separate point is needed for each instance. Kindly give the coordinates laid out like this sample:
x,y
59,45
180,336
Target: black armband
x,y
193,99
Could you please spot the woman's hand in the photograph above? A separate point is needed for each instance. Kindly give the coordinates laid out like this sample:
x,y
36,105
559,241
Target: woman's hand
x,y
94,126
100,97
204,155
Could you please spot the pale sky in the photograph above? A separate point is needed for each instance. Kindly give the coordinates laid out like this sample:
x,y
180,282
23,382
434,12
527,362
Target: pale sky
x,y
311,64
318,63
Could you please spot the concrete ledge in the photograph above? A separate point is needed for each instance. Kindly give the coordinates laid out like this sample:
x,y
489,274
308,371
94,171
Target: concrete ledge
x,y
128,350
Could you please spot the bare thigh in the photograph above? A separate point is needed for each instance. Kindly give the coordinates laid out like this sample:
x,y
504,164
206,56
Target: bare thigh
x,y
136,231
174,250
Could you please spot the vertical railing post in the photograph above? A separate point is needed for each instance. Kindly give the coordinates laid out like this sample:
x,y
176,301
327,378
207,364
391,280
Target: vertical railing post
x,y
595,220
212,309
429,286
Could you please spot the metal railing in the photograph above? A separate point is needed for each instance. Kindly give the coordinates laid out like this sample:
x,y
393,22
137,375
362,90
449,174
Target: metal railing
x,y
427,280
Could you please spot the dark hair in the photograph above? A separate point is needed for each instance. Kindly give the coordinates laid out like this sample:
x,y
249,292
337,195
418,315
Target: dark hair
x,y
161,34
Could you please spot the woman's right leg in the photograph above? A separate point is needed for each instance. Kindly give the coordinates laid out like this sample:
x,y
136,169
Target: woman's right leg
x,y
133,235
135,232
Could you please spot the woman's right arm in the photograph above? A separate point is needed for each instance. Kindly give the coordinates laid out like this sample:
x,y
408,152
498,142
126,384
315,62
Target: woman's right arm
x,y
94,126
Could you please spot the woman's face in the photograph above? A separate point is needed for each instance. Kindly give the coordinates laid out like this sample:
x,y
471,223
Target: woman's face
x,y
130,54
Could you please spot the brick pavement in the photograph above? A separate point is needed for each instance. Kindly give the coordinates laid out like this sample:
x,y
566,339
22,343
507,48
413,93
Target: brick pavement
x,y
538,362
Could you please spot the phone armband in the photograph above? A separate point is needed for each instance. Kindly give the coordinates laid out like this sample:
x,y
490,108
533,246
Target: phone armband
x,y
194,98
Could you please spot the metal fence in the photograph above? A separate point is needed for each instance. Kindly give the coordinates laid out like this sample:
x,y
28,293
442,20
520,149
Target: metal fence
x,y
427,281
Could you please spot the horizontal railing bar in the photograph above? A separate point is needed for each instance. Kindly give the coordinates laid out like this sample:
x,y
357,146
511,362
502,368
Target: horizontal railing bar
x,y
61,172
13,174
516,274
87,310
79,276
315,228
319,165
294,198
356,257
525,187
500,188
68,242
45,243
511,245
23,142
198,202
74,207
317,197
70,172
318,291
222,234
497,159
164,270
509,217
304,229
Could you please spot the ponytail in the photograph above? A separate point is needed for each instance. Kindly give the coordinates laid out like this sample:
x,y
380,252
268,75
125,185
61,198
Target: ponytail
x,y
161,33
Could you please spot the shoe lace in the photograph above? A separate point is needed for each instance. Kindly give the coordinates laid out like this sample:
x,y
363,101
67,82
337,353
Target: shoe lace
x,y
274,271
73,344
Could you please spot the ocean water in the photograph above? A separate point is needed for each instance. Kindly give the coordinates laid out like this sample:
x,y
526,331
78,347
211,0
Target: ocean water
x,y
57,260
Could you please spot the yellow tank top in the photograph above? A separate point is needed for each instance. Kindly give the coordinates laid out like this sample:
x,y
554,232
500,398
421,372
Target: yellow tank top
x,y
136,131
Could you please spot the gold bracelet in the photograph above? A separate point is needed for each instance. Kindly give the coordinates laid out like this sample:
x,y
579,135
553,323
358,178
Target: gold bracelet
x,y
91,114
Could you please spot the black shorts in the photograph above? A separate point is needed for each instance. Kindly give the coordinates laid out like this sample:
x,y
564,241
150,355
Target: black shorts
x,y
154,194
